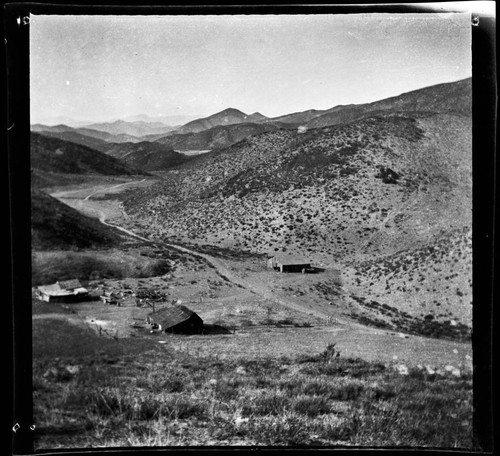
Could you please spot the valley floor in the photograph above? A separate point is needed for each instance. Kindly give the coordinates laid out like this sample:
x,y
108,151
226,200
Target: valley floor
x,y
296,366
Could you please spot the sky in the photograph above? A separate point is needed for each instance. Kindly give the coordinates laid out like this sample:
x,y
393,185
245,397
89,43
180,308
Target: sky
x,y
98,68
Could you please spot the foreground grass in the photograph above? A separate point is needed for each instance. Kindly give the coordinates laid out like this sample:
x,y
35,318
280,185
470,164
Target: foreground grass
x,y
167,398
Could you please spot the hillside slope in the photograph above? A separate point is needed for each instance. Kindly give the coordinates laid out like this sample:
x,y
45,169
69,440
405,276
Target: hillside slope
x,y
302,117
453,97
403,177
147,156
216,137
226,117
77,137
56,225
384,188
83,135
56,155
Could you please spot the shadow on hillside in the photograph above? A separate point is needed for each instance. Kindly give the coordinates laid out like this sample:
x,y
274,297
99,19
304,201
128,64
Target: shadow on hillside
x,y
214,329
315,270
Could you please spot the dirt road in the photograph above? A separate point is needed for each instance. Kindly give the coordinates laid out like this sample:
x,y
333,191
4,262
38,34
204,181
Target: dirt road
x,y
223,270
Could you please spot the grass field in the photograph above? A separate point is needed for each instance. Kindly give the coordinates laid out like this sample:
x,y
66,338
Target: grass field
x,y
101,392
262,385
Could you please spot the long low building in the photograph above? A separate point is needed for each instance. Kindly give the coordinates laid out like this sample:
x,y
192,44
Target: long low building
x,y
176,320
63,291
288,263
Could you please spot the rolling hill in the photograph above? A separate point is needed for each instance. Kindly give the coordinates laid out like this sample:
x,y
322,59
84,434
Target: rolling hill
x,y
60,128
160,145
226,117
391,166
147,156
300,118
139,155
55,155
216,137
448,97
64,120
77,137
56,225
385,197
81,135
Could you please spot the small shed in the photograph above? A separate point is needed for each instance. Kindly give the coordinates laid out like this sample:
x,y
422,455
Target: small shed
x,y
176,320
288,263
63,291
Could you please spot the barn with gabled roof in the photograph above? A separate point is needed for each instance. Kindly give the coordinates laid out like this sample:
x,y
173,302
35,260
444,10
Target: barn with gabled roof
x,y
63,291
176,320
288,263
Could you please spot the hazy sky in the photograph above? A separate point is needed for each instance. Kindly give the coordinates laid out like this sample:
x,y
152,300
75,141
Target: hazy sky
x,y
104,67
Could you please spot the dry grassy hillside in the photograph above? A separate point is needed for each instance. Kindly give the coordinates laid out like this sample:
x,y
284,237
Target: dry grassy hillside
x,y
370,188
431,283
56,225
145,155
226,117
54,155
381,189
215,138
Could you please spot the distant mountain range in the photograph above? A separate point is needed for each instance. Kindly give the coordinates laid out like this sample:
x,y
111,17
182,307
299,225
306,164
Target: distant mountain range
x,y
63,120
142,128
172,120
137,128
144,143
214,138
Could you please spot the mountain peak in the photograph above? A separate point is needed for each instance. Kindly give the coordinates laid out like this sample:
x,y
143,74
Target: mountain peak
x,y
228,116
256,117
229,112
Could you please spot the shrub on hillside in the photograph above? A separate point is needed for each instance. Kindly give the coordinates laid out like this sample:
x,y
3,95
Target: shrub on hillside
x,y
387,175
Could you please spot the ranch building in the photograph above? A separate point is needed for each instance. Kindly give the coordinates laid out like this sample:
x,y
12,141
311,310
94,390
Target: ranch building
x,y
288,263
63,291
176,320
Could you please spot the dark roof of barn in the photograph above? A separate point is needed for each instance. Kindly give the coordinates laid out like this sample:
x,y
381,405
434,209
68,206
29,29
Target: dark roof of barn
x,y
291,259
172,316
69,284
